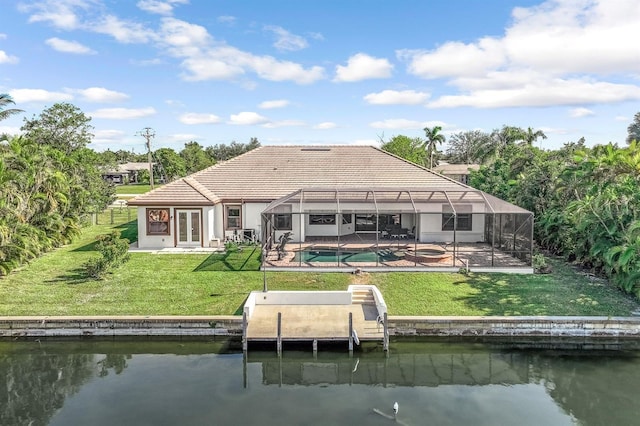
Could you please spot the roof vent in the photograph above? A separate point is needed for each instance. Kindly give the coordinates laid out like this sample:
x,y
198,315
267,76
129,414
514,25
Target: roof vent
x,y
315,149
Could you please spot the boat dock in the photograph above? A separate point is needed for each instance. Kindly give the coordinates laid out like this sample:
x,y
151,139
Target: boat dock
x,y
351,316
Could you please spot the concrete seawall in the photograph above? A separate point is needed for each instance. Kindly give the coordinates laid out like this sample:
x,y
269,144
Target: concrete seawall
x,y
231,326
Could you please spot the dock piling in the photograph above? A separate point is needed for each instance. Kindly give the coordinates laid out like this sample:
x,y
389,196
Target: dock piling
x,y
385,337
279,336
244,332
350,333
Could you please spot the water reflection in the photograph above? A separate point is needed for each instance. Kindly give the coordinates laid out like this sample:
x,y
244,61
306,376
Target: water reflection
x,y
195,383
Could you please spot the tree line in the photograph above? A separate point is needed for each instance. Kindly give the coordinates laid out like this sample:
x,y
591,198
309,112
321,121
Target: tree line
x,y
171,165
50,180
586,200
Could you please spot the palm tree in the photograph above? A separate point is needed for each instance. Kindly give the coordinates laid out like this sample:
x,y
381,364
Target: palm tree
x,y
4,101
531,136
434,138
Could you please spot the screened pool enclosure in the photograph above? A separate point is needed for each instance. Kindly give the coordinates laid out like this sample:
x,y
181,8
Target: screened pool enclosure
x,y
404,228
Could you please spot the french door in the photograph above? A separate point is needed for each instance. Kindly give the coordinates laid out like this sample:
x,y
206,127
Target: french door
x,y
189,233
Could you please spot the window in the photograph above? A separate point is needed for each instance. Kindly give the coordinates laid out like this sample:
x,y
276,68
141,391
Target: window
x,y
158,222
234,218
322,219
347,218
465,218
282,222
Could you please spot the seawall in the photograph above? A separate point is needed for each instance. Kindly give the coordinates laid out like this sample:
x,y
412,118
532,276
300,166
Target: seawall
x,y
231,326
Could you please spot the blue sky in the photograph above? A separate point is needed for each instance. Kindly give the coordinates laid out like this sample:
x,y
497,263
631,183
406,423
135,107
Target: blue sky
x,y
324,71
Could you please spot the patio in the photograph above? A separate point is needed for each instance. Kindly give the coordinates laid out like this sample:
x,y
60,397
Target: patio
x,y
394,254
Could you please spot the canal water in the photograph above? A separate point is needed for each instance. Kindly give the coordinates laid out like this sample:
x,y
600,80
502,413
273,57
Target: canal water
x,y
212,383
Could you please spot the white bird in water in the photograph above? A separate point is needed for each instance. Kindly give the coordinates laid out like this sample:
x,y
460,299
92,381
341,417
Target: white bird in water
x,y
395,408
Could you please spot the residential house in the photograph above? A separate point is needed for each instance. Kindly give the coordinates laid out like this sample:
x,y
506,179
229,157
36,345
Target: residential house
x,y
330,194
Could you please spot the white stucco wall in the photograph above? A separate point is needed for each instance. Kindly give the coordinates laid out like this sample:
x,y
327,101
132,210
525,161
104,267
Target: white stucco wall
x,y
154,241
163,241
430,229
251,217
429,226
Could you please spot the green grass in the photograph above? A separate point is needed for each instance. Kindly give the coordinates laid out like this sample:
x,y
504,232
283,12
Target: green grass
x,y
564,292
134,189
218,284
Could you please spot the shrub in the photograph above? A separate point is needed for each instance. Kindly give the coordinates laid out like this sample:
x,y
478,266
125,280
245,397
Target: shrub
x,y
114,251
540,264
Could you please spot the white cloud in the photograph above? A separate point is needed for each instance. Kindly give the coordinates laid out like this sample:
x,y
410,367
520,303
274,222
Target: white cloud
x,y
183,137
394,97
175,103
316,36
286,41
198,118
204,60
284,123
226,19
580,112
105,137
545,58
454,59
100,94
9,130
122,31
69,46
226,62
122,113
325,125
38,95
59,13
3,36
108,134
247,118
622,118
279,103
543,92
362,67
184,38
159,7
5,58
146,62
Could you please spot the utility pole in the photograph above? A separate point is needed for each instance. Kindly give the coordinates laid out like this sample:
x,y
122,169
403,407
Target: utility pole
x,y
148,133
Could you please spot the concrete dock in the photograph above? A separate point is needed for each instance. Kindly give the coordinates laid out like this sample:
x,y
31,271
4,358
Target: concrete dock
x,y
314,322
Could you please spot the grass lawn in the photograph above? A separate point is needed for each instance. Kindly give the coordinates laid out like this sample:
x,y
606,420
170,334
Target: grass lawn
x,y
218,284
134,189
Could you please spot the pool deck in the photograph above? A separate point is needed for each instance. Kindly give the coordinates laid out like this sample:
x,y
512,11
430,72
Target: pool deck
x,y
478,255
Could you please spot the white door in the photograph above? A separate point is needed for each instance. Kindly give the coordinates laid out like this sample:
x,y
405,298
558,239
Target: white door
x,y
189,227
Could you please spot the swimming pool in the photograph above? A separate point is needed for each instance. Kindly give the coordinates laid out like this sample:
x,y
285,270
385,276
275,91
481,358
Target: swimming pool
x,y
350,256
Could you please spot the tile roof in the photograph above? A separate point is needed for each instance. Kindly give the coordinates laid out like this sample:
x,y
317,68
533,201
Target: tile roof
x,y
456,169
270,172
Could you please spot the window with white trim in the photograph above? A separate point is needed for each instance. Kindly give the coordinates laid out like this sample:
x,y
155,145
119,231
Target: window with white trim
x,y
233,215
464,218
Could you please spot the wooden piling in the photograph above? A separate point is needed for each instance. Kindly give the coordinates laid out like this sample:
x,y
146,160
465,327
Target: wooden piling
x,y
244,332
385,337
279,336
350,333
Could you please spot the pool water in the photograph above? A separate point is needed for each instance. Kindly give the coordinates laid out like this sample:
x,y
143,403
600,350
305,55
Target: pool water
x,y
334,256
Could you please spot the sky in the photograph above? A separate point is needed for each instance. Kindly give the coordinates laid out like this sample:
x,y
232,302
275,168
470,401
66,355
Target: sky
x,y
323,71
